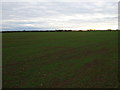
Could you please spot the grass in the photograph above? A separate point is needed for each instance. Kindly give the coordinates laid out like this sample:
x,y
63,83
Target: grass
x,y
60,59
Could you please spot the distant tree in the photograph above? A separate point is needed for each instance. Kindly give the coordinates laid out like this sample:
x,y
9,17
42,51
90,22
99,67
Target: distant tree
x,y
117,29
80,30
90,30
109,29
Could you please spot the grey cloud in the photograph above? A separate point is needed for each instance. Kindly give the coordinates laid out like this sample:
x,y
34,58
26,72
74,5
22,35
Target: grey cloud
x,y
48,11
21,10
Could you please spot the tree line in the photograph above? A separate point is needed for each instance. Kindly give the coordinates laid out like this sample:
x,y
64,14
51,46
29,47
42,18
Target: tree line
x,y
59,30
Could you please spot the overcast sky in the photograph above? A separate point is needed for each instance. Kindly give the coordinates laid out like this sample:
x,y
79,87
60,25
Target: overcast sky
x,y
59,15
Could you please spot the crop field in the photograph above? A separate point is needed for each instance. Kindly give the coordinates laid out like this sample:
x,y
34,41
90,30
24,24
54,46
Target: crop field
x,y
60,59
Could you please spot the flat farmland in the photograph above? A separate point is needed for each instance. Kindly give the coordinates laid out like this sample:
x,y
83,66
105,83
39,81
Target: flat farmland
x,y
60,59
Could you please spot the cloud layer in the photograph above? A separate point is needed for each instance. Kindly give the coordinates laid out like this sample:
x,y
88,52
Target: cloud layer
x,y
59,15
